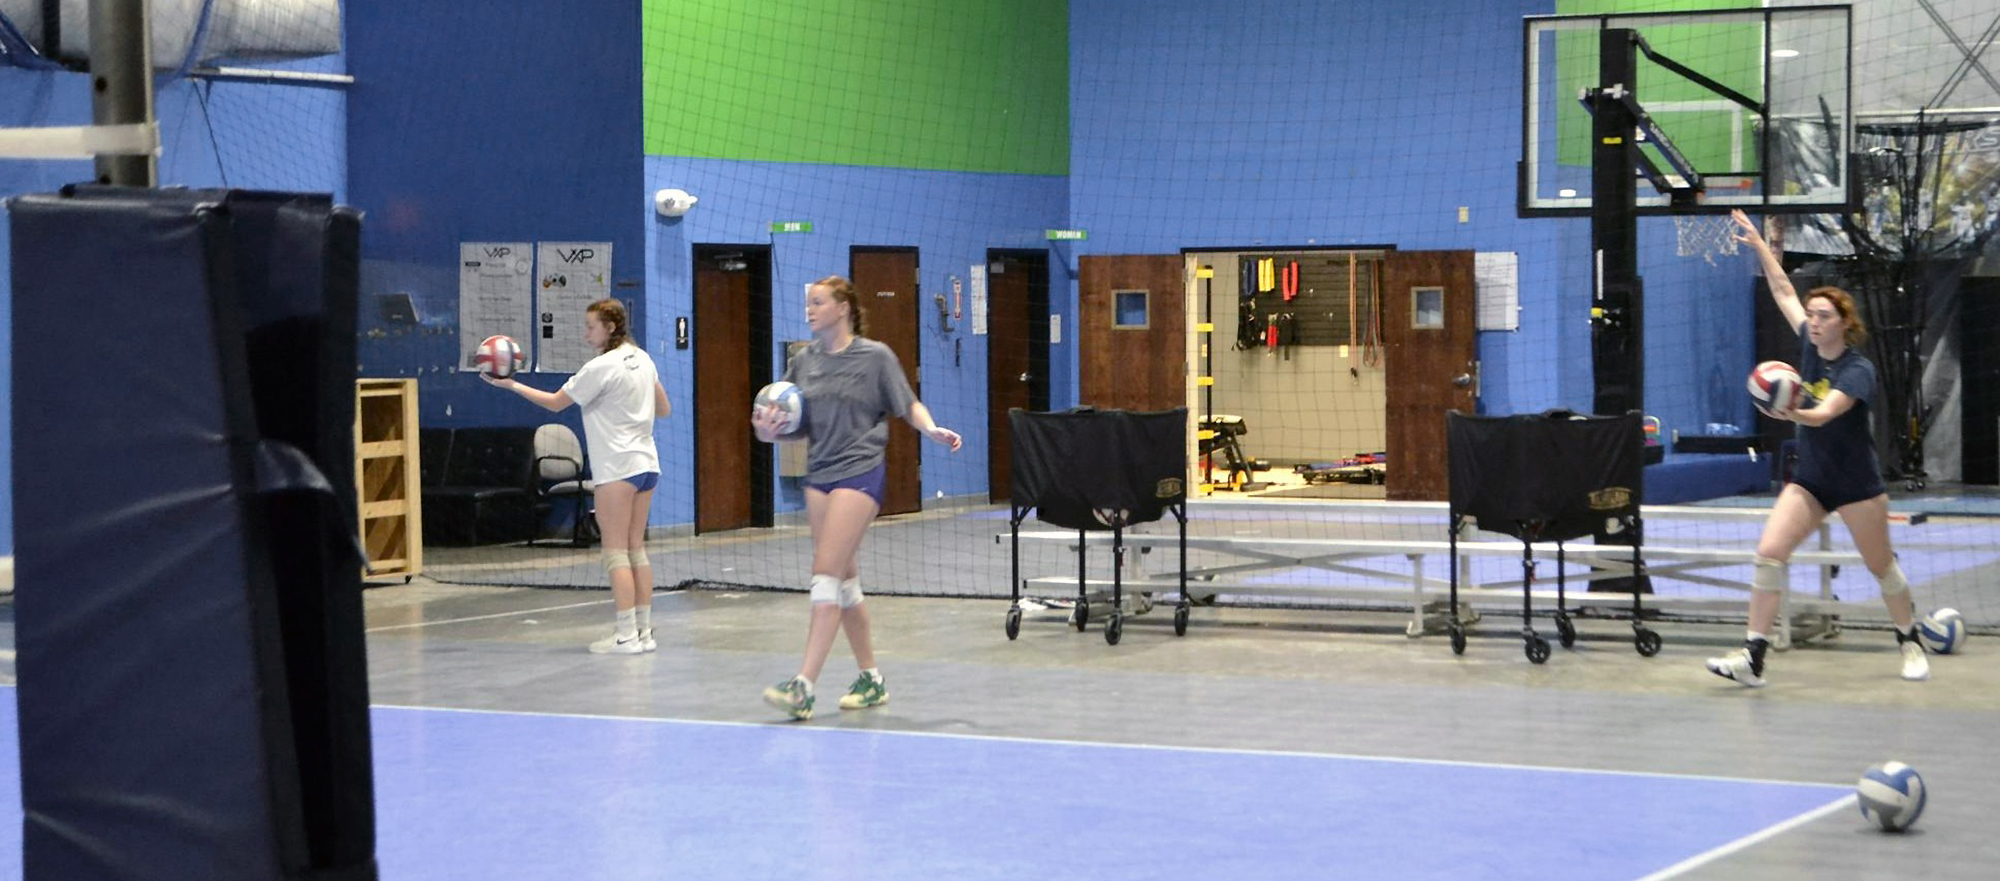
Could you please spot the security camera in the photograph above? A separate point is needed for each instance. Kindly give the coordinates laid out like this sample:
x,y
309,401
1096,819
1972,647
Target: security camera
x,y
673,203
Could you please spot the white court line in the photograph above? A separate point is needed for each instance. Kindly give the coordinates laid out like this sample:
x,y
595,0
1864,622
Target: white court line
x,y
389,627
1702,859
1217,750
486,617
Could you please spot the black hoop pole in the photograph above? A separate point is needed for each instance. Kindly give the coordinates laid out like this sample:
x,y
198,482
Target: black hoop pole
x,y
121,84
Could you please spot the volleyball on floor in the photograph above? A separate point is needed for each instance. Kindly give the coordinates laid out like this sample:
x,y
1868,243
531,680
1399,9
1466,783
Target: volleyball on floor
x,y
787,398
1891,795
1943,631
1776,389
499,356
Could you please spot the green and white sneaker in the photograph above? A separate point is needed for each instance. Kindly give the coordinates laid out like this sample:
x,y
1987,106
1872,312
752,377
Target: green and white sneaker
x,y
867,691
793,695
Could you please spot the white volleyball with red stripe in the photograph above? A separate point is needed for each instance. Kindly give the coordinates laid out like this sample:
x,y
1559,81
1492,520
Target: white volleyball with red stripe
x,y
499,356
1776,389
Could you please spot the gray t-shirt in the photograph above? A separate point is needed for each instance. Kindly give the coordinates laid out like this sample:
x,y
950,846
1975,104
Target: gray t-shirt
x,y
849,396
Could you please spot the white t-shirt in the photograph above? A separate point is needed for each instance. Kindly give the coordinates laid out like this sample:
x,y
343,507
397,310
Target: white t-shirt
x,y
615,390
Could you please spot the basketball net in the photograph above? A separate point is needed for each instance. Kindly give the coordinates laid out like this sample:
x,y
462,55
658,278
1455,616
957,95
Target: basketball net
x,y
1705,235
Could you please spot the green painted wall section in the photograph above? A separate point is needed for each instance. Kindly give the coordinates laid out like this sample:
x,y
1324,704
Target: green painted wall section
x,y
1732,54
957,85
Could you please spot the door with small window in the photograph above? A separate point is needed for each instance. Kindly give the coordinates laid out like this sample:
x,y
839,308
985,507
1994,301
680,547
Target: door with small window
x,y
1431,361
1132,351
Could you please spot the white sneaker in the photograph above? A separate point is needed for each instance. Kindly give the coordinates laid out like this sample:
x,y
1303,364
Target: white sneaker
x,y
646,642
612,645
1738,665
1916,667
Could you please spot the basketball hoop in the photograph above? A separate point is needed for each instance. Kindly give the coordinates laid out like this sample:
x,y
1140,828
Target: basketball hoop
x,y
1705,235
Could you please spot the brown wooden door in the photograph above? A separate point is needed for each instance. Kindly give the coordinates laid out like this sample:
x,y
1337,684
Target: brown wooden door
x,y
885,280
1132,368
1017,284
722,392
1429,369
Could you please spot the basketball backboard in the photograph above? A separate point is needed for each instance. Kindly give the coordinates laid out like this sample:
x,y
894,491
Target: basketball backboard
x,y
1786,152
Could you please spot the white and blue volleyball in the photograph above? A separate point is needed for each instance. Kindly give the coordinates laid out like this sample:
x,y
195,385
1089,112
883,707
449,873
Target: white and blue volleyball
x,y
788,399
1892,796
1943,631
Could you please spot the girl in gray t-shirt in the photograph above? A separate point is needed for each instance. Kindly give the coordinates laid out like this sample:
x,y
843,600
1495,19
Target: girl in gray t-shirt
x,y
852,386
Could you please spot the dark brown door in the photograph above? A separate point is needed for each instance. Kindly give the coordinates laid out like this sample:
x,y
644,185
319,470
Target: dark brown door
x,y
1017,354
885,280
1431,364
722,392
1132,332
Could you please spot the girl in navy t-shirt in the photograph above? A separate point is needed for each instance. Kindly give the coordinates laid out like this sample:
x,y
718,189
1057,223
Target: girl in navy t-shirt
x,y
1837,469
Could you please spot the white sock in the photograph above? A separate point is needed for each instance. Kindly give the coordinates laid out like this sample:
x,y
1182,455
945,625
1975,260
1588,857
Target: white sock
x,y
874,673
806,682
1754,635
627,628
643,616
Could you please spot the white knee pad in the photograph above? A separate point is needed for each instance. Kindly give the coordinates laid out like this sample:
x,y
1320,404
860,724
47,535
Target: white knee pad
x,y
639,561
825,589
850,593
1893,583
616,560
1770,576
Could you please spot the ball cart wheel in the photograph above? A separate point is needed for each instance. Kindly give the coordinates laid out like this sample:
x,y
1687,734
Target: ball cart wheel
x,y
1647,642
1537,649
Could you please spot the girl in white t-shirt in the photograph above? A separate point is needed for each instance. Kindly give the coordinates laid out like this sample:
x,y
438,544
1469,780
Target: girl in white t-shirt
x,y
620,393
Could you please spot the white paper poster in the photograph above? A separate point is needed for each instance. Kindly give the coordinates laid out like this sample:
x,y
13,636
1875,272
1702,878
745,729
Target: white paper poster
x,y
978,272
496,294
569,276
1496,280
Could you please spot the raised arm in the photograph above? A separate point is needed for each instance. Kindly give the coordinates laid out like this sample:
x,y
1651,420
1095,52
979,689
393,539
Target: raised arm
x,y
554,402
1782,291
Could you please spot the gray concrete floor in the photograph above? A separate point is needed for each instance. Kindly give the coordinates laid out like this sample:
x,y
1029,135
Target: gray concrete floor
x,y
1311,681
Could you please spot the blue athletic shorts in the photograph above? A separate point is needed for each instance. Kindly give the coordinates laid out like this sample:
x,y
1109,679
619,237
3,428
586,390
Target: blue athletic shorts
x,y
874,482
645,482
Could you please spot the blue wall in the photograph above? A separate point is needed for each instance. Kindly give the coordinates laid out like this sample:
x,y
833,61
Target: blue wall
x,y
950,217
520,122
212,134
1273,124
1281,123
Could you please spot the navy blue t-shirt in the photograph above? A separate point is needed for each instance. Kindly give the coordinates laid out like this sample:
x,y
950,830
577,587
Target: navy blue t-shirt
x,y
1839,457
